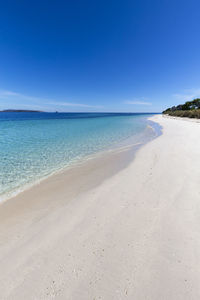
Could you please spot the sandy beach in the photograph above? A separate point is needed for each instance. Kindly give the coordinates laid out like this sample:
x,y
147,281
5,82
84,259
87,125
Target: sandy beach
x,y
132,233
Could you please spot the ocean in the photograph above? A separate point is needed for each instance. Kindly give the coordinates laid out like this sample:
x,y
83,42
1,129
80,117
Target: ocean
x,y
35,145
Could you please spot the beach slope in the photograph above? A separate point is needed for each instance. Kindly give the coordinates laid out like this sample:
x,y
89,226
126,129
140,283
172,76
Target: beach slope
x,y
136,235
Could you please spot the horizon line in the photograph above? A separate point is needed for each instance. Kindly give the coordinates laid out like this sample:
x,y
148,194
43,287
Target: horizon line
x,y
86,112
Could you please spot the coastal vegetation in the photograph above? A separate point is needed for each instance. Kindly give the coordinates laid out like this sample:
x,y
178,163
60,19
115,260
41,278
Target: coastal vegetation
x,y
191,109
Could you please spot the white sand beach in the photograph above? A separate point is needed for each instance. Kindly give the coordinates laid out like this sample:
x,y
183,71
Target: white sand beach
x,y
134,235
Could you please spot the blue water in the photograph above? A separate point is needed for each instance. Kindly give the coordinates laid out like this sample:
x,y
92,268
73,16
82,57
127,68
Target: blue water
x,y
34,145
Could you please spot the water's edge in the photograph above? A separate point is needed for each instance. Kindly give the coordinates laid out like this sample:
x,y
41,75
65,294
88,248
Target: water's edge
x,y
128,148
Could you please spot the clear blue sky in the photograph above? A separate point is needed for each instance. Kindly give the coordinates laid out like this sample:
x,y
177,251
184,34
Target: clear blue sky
x,y
92,55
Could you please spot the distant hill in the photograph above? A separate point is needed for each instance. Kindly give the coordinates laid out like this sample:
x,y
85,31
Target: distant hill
x,y
191,109
19,110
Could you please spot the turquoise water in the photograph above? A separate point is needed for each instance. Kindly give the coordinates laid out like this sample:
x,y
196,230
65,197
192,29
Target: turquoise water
x,y
34,145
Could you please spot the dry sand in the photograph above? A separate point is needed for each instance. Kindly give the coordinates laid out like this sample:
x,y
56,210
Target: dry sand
x,y
135,235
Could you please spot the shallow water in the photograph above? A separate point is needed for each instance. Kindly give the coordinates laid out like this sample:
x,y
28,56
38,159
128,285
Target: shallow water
x,y
34,145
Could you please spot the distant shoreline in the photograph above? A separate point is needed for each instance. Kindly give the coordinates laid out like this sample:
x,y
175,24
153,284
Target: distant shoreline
x,y
21,110
188,119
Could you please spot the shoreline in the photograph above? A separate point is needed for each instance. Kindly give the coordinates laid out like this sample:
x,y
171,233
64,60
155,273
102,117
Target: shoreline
x,y
119,147
72,181
134,235
195,120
